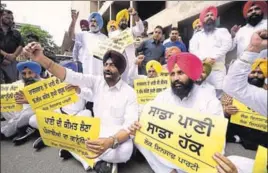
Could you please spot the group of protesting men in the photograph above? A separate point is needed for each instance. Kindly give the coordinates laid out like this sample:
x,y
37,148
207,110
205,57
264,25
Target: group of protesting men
x,y
199,81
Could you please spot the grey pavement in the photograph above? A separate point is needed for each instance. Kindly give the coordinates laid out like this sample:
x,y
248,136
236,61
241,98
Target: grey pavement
x,y
24,159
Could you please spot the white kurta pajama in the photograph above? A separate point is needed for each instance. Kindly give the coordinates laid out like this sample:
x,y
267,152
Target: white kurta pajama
x,y
199,99
16,119
129,52
117,108
85,43
215,45
243,36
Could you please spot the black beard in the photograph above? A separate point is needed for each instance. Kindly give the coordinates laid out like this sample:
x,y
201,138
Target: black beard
x,y
29,81
123,26
210,25
258,82
183,90
254,19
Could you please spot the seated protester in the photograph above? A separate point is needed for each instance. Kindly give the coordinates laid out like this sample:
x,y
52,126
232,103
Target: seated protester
x,y
184,69
236,82
175,40
18,121
77,108
170,51
114,144
112,26
250,138
202,80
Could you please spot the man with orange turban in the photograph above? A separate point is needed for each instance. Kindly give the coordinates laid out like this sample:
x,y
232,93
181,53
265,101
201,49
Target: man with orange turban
x,y
184,69
112,26
122,19
211,45
255,13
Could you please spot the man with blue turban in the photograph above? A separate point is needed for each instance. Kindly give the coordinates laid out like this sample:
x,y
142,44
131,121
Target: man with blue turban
x,y
18,122
86,42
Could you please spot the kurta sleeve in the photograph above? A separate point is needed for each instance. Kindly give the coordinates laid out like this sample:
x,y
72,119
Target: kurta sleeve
x,y
138,29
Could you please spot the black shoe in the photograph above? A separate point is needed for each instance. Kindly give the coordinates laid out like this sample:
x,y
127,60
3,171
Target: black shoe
x,y
38,144
3,119
3,137
65,154
22,138
104,167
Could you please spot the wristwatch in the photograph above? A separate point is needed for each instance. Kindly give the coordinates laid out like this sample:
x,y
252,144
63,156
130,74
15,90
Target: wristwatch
x,y
116,143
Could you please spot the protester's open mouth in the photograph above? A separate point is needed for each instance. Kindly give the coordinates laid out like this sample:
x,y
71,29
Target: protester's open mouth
x,y
108,74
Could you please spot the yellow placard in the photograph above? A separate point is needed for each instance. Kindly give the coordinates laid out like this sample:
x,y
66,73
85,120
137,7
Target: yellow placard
x,y
118,44
182,136
8,103
68,132
248,118
164,73
148,88
49,94
261,162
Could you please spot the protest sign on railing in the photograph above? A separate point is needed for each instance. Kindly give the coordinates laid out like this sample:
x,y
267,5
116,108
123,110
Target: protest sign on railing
x,y
8,103
68,132
148,88
49,94
182,136
249,118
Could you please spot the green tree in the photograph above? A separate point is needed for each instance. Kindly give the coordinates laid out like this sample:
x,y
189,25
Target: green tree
x,y
45,38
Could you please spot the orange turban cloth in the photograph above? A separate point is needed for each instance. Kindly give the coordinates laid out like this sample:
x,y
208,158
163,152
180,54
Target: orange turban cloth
x,y
111,23
172,50
203,14
261,4
262,63
195,23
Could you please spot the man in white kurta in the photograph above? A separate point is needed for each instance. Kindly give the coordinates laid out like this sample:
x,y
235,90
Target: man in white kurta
x,y
183,93
211,45
236,82
254,12
122,19
86,42
17,121
115,103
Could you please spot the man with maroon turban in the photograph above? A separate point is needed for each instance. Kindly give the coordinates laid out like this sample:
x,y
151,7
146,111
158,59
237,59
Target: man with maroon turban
x,y
255,13
184,69
211,45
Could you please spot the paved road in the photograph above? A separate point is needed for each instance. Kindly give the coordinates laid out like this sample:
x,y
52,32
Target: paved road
x,y
24,159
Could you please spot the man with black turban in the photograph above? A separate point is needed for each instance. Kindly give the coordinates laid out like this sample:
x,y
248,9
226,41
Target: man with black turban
x,y
115,103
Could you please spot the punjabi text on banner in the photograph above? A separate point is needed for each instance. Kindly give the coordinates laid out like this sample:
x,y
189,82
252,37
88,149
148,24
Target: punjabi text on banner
x,y
184,137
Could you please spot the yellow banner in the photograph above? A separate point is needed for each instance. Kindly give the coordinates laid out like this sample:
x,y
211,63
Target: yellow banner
x,y
164,73
148,88
8,102
49,94
68,132
261,162
118,44
248,118
182,136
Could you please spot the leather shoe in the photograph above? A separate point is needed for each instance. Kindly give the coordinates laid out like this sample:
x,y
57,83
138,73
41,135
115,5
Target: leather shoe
x,y
65,154
38,144
23,136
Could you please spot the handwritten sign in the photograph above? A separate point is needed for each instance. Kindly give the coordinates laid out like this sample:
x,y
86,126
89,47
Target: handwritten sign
x,y
8,103
148,88
49,94
182,136
68,132
118,44
249,118
261,162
